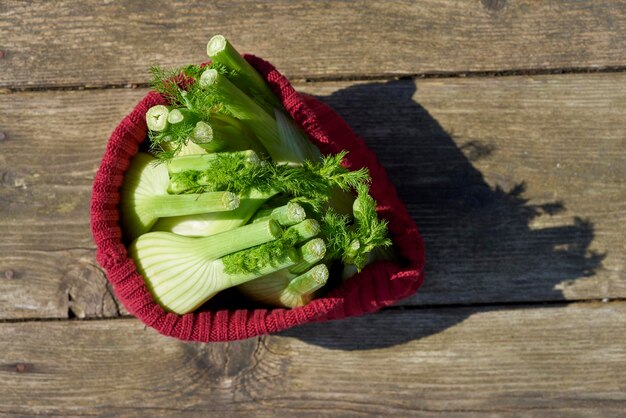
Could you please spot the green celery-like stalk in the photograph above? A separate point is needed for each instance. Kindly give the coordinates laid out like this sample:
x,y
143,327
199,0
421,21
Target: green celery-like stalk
x,y
293,138
204,162
248,80
183,115
182,272
315,253
203,136
223,132
245,77
303,230
170,130
252,259
144,197
212,223
285,289
209,172
252,115
156,118
309,282
286,215
189,204
309,183
288,258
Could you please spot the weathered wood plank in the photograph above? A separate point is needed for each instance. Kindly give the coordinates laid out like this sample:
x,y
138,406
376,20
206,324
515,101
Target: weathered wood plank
x,y
517,184
96,43
52,145
458,149
54,284
457,362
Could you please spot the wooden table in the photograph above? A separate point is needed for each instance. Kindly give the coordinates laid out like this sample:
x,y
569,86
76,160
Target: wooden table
x,y
502,123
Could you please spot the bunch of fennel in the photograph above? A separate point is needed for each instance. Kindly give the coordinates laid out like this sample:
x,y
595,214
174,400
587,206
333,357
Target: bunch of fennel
x,y
232,193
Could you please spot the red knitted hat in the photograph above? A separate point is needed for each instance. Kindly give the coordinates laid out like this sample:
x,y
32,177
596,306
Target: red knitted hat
x,y
377,285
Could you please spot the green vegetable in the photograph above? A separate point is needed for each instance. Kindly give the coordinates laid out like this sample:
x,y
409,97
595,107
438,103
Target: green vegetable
x,y
286,215
297,147
253,259
183,115
144,197
377,254
204,162
244,76
287,286
231,87
317,251
284,143
182,273
284,289
171,130
222,132
174,129
188,148
241,106
369,231
156,118
305,284
184,170
237,169
312,183
295,141
352,243
213,223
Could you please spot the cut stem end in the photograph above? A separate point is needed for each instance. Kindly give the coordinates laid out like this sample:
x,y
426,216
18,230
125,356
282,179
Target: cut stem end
x,y
156,118
216,45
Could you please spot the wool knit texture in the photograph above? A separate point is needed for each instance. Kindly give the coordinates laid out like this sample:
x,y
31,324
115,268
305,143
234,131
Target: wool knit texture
x,y
377,285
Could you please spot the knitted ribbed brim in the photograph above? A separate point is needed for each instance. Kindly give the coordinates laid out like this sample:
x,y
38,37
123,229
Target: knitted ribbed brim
x,y
377,285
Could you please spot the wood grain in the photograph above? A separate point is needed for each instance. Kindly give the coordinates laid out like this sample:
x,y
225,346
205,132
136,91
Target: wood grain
x,y
52,146
516,183
90,43
523,362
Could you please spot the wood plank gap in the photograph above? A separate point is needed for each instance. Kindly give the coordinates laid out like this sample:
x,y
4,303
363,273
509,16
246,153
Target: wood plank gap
x,y
398,308
123,316
509,304
468,74
355,78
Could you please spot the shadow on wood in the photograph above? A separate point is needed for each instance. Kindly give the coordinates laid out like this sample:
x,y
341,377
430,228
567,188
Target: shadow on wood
x,y
480,243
